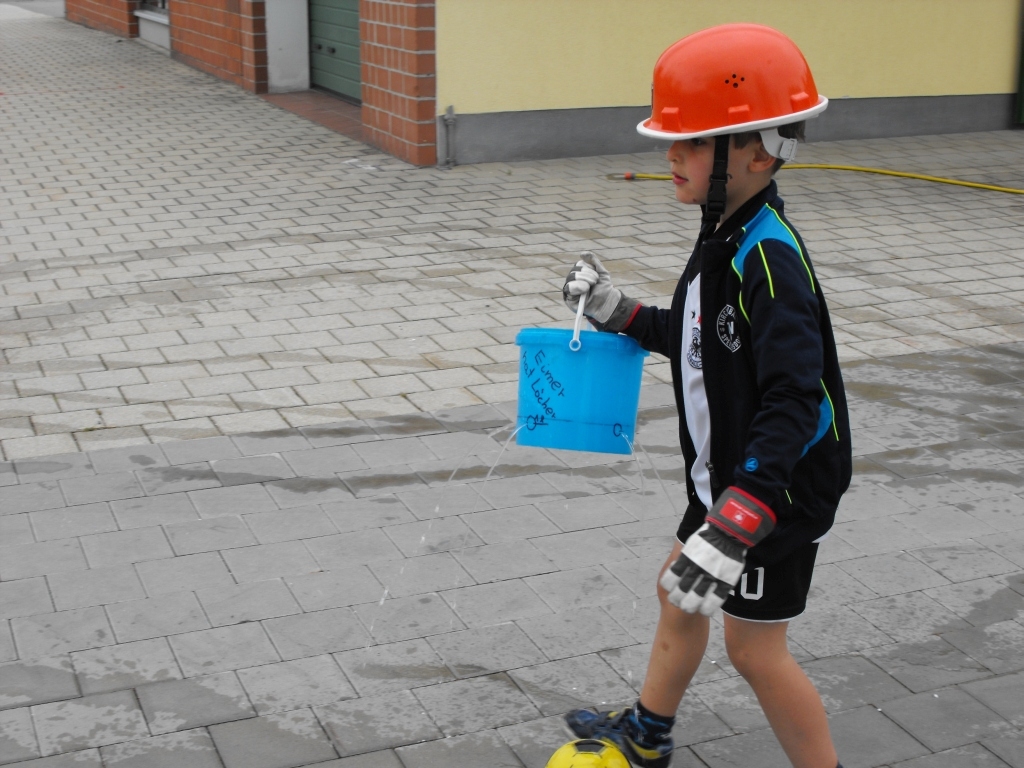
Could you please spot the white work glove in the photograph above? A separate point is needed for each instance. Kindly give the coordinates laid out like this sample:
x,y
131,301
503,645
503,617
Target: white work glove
x,y
606,307
713,558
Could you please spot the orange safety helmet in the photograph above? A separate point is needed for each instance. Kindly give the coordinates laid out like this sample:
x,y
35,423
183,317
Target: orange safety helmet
x,y
732,78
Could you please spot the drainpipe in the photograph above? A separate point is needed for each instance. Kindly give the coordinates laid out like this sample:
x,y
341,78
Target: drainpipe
x,y
449,138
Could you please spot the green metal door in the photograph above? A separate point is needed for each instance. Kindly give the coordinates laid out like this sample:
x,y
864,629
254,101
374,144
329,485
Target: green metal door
x,y
334,46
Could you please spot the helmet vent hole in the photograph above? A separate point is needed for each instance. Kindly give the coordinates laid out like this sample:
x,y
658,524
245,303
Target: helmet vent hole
x,y
735,81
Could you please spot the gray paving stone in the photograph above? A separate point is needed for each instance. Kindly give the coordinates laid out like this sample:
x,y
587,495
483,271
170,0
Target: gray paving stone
x,y
319,632
152,511
180,705
755,748
384,759
974,754
53,468
393,478
91,721
866,737
191,537
474,652
518,491
236,500
69,522
375,723
445,501
15,529
247,602
582,513
997,646
573,633
508,560
944,719
249,470
170,614
1009,749
283,740
909,616
584,681
466,706
830,631
269,561
30,497
48,634
274,441
177,479
419,575
23,561
495,603
97,586
108,487
342,433
89,758
307,682
578,588
118,667
132,546
201,449
183,573
127,459
928,664
374,512
336,588
393,667
324,462
290,525
17,738
223,648
25,597
893,574
848,682
1002,695
189,749
405,618
962,562
352,548
981,602
300,491
483,748
734,701
24,683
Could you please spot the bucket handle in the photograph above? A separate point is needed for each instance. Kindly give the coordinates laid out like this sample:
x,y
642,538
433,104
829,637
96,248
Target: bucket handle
x,y
575,343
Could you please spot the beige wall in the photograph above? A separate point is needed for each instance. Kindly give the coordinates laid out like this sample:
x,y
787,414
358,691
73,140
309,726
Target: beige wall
x,y
514,55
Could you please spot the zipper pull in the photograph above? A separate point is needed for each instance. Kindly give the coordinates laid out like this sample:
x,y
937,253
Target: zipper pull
x,y
711,472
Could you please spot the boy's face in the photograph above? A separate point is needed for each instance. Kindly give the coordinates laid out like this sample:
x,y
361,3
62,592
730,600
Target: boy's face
x,y
691,161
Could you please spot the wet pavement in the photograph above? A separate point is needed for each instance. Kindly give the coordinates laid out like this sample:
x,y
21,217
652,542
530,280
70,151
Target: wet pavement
x,y
244,356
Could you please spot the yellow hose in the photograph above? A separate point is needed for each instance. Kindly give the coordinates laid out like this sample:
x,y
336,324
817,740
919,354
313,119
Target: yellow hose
x,y
829,167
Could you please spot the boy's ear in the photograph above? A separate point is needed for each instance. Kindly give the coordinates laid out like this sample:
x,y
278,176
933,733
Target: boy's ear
x,y
761,161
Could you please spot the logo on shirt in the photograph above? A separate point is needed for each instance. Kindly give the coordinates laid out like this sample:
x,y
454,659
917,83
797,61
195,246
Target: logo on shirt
x,y
728,334
693,353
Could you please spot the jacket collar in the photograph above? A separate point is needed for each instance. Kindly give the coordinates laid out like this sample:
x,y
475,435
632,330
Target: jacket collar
x,y
734,224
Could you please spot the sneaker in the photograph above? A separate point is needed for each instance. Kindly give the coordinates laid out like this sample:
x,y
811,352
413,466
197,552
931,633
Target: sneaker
x,y
612,727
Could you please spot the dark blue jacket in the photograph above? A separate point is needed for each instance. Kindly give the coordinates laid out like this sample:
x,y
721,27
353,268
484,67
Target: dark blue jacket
x,y
779,424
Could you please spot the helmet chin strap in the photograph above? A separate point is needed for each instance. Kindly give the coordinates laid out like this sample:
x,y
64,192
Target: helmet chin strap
x,y
714,209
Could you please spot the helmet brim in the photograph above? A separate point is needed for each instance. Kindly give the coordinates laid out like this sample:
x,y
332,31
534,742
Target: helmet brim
x,y
754,125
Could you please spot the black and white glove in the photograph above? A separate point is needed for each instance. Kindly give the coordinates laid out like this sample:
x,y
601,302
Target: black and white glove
x,y
713,558
607,308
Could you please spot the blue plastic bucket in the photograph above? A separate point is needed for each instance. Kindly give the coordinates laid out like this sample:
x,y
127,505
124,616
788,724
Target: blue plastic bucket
x,y
581,401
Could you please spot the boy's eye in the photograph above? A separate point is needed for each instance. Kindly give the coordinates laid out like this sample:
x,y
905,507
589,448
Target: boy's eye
x,y
697,142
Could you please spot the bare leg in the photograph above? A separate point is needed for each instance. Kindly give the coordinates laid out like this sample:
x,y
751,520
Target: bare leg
x,y
679,644
789,700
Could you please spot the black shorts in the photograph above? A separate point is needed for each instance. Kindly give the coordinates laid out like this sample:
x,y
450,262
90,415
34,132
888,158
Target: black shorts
x,y
774,592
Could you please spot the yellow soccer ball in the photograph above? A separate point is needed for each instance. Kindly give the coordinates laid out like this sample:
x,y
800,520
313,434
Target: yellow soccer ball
x,y
588,753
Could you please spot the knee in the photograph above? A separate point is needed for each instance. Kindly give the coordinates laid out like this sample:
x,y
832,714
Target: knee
x,y
750,660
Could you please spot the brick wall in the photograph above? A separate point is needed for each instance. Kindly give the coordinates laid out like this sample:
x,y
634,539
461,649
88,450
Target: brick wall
x,y
227,38
397,53
114,16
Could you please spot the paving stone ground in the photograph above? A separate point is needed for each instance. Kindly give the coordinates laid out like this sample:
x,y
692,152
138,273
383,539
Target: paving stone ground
x,y
244,355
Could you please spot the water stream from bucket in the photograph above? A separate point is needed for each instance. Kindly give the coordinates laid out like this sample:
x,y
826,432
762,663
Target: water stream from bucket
x,y
644,517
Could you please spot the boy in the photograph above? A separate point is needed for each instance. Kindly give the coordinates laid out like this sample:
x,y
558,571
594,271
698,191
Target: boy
x,y
764,428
